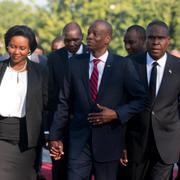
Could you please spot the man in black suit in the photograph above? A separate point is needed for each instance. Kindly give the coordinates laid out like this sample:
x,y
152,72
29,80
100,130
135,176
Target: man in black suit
x,y
153,139
134,43
57,64
58,60
96,131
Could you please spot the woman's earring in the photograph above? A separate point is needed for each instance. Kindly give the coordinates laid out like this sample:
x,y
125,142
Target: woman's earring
x,y
29,53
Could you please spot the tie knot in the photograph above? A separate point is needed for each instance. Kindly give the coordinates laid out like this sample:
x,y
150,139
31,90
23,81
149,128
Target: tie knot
x,y
96,61
155,64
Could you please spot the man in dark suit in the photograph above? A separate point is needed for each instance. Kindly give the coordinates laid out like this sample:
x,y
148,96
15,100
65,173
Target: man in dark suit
x,y
153,139
57,64
96,131
134,43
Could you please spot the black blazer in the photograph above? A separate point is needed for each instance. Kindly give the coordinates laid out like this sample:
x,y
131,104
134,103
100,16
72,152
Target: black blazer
x,y
57,64
164,114
120,89
36,98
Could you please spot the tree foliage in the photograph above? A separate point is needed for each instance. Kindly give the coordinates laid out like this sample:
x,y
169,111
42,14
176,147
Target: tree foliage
x,y
49,21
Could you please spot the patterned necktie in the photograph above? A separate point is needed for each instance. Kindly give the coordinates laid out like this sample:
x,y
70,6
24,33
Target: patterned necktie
x,y
152,82
93,81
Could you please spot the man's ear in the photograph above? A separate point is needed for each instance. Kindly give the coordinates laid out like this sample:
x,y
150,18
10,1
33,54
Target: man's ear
x,y
107,40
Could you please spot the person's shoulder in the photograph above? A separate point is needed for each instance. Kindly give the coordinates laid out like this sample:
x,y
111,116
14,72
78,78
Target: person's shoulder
x,y
117,58
173,58
1,62
57,53
56,57
38,67
5,61
114,58
138,59
173,62
80,58
138,56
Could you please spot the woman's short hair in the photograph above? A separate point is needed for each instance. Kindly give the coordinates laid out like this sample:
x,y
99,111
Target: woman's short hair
x,y
21,30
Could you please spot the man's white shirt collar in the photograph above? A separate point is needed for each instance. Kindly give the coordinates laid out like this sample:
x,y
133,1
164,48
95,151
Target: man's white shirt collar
x,y
103,58
161,62
80,51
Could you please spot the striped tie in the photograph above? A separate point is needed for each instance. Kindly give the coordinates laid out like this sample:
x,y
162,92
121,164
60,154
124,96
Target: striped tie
x,y
93,81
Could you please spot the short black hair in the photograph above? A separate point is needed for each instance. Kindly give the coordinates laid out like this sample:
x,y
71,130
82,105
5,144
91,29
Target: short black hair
x,y
106,24
139,29
71,27
158,23
21,30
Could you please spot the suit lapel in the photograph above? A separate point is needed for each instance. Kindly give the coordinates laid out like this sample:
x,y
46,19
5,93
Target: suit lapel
x,y
106,80
3,67
32,83
166,77
84,68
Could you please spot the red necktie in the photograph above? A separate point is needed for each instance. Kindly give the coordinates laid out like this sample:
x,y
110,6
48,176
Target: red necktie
x,y
93,81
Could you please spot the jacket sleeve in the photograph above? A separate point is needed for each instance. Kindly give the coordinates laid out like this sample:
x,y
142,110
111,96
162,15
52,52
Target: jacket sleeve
x,y
136,93
61,115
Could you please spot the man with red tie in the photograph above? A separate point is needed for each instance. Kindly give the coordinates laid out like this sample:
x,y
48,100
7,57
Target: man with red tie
x,y
103,91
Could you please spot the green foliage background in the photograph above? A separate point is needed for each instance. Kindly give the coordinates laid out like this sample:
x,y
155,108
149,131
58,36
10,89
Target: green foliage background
x,y
49,21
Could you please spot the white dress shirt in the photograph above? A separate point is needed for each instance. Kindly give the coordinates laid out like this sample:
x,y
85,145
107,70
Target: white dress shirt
x,y
13,90
80,51
160,69
100,65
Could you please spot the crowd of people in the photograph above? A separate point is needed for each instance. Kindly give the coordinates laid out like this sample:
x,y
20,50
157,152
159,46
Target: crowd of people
x,y
101,114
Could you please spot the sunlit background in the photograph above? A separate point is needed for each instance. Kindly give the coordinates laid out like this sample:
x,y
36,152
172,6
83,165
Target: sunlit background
x,y
48,17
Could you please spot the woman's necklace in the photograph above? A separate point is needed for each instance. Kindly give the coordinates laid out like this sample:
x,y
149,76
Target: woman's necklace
x,y
19,70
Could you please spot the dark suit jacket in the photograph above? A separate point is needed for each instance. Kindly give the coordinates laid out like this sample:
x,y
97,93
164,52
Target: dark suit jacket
x,y
57,65
163,114
119,83
36,98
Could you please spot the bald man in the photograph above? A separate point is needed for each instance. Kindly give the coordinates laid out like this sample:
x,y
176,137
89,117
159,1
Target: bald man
x,y
97,86
57,64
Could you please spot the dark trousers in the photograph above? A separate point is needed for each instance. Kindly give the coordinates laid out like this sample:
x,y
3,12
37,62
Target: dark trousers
x,y
122,172
136,171
156,168
158,171
153,167
59,169
80,168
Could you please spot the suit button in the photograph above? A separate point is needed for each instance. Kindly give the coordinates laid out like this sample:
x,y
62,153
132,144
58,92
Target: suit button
x,y
153,113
